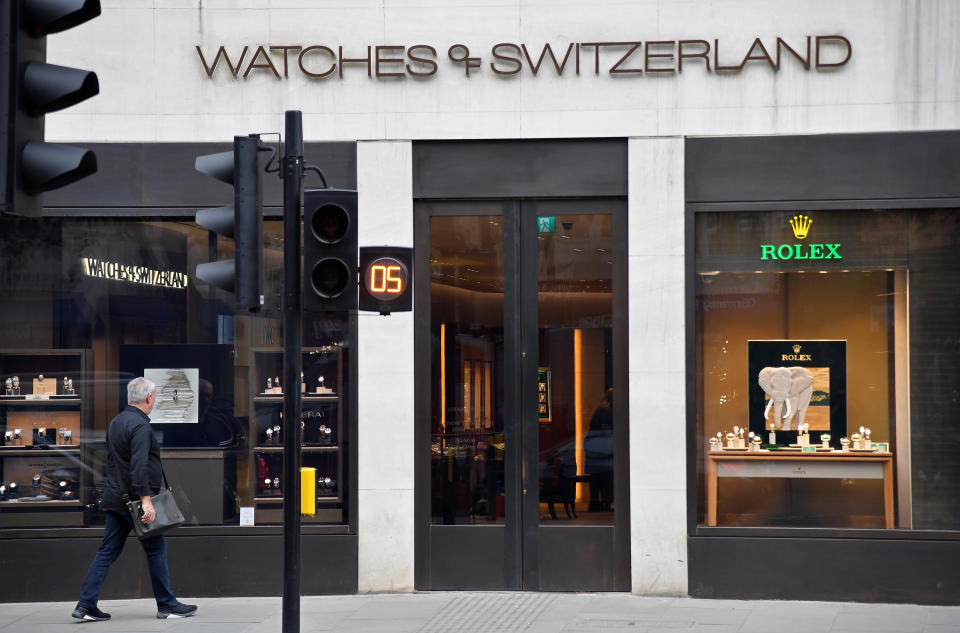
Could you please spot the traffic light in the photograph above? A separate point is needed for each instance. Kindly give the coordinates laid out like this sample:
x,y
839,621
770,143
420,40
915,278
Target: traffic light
x,y
386,278
242,275
29,89
329,250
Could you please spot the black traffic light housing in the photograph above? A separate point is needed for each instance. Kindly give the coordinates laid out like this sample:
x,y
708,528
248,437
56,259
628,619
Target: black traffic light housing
x,y
29,89
386,279
242,275
329,250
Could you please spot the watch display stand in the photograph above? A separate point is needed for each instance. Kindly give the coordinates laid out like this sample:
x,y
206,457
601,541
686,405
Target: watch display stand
x,y
322,426
45,408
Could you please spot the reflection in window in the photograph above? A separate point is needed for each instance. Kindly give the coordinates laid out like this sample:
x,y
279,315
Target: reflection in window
x,y
575,378
96,302
466,314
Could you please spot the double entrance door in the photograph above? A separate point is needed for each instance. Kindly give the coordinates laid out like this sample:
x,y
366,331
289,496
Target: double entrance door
x,y
521,441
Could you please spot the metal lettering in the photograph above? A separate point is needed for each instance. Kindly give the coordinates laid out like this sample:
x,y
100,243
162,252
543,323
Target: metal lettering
x,y
513,60
823,52
615,69
833,38
330,71
465,59
354,60
750,57
647,55
268,63
705,54
285,49
387,60
422,60
546,49
803,60
216,60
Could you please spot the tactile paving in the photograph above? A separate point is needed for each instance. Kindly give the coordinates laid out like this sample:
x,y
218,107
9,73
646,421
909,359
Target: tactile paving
x,y
489,613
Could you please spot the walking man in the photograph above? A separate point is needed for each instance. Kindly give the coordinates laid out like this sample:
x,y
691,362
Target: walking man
x,y
133,468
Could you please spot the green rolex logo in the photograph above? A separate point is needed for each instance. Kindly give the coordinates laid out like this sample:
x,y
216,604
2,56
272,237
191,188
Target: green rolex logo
x,y
801,227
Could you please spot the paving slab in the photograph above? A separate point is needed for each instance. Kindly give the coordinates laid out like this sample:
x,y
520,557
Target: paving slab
x,y
944,616
493,612
806,617
880,621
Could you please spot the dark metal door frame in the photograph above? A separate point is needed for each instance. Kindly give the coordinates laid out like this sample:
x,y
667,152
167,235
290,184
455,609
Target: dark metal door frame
x,y
424,212
533,532
522,530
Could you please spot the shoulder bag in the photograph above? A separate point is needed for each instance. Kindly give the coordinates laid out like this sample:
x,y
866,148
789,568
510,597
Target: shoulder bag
x,y
168,514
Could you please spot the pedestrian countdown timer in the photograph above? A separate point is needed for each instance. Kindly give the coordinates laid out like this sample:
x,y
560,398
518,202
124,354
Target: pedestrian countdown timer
x,y
385,279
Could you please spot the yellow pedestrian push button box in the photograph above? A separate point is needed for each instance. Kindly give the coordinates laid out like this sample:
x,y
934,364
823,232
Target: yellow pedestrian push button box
x,y
308,491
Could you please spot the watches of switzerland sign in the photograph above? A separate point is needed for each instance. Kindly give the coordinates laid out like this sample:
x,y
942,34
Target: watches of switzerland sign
x,y
507,59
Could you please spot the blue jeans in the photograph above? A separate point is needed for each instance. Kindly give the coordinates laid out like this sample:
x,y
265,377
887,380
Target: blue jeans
x,y
114,537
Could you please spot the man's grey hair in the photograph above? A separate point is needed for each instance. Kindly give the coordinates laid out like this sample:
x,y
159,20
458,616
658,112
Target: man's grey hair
x,y
138,389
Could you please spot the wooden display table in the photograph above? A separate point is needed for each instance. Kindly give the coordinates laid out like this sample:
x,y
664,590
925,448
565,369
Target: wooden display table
x,y
797,465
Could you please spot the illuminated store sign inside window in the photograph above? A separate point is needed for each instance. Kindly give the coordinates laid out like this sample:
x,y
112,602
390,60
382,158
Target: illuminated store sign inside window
x,y
116,271
801,227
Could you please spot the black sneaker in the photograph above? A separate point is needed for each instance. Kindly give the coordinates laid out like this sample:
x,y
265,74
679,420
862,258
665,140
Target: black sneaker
x,y
89,613
178,610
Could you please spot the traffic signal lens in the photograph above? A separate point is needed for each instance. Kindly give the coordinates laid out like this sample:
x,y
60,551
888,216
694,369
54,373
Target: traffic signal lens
x,y
330,272
330,277
330,223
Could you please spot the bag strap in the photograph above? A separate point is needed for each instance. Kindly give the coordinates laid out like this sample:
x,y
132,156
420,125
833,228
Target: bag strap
x,y
165,483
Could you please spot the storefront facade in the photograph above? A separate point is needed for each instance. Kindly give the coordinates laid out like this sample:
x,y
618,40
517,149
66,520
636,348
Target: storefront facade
x,y
613,240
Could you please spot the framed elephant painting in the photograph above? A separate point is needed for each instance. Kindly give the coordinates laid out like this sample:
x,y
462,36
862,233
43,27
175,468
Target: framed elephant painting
x,y
794,382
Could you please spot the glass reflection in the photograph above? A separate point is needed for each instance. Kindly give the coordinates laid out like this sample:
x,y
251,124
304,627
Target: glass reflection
x,y
575,385
466,307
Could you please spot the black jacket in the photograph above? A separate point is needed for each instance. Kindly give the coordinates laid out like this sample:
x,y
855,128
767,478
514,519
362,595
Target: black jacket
x,y
133,464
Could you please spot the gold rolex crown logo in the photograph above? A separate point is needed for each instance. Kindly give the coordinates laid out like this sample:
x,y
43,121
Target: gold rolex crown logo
x,y
796,349
801,226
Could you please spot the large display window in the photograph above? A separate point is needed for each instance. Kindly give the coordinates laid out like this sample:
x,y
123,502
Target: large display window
x,y
91,303
827,365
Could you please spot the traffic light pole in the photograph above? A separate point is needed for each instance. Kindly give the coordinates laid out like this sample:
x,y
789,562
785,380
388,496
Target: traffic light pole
x,y
292,166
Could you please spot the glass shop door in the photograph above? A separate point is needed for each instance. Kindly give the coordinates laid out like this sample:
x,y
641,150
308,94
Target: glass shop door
x,y
525,401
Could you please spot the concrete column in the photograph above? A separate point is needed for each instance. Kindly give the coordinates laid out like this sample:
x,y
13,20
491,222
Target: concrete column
x,y
385,412
658,485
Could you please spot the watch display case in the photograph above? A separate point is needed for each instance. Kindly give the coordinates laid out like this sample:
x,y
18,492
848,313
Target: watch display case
x,y
44,412
322,425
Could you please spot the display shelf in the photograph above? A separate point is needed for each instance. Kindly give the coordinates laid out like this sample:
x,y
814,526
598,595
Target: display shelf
x,y
21,451
278,399
20,401
276,500
305,449
50,503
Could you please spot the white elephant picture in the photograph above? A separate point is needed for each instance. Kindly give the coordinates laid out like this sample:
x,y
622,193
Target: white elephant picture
x,y
789,389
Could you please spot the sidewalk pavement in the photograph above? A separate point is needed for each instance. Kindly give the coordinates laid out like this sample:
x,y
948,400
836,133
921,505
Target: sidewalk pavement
x,y
482,612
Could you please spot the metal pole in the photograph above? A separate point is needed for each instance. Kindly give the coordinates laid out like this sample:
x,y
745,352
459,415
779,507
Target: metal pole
x,y
292,367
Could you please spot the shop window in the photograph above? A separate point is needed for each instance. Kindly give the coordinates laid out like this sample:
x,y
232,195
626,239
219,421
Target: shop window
x,y
90,304
827,364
